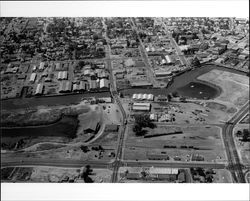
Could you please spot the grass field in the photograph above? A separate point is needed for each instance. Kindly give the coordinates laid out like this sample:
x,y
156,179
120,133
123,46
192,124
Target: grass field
x,y
235,87
207,140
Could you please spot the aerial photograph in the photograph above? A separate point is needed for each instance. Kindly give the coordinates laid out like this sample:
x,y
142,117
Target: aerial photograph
x,y
124,100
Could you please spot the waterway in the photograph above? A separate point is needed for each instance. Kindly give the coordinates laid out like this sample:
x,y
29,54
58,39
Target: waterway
x,y
65,129
199,90
178,82
19,103
184,80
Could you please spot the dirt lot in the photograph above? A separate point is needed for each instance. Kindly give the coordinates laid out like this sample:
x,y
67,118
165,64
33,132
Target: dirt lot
x,y
235,87
206,141
40,116
222,176
53,174
111,114
243,147
193,113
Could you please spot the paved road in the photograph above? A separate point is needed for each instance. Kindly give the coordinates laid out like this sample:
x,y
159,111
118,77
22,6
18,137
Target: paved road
x,y
173,164
116,98
68,163
150,72
234,164
177,48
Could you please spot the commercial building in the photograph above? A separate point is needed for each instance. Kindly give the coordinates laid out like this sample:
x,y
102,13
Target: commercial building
x,y
141,106
32,77
152,155
163,173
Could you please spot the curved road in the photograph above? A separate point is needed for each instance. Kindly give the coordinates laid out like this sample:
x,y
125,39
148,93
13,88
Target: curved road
x,y
234,164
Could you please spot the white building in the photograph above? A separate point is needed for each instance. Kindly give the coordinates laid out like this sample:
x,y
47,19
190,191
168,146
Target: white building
x,y
39,89
62,75
104,83
141,106
41,66
32,77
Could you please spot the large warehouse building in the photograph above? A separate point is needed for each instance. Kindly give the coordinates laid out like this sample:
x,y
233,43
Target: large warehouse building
x,y
141,106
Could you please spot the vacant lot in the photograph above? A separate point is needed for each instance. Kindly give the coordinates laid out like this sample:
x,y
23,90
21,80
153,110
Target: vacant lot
x,y
243,147
222,176
47,174
205,141
235,87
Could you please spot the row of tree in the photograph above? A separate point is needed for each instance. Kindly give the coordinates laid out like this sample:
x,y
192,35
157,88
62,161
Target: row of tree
x,y
245,135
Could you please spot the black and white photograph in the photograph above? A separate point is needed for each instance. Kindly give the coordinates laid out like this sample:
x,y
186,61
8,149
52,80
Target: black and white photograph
x,y
135,98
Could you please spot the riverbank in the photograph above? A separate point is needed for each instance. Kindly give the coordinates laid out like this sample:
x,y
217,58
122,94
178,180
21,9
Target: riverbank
x,y
66,99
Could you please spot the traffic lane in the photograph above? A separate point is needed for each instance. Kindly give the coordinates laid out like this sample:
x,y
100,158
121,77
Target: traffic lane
x,y
174,164
55,163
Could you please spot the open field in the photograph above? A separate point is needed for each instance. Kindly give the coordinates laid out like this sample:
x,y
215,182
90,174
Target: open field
x,y
52,174
242,147
235,87
222,176
206,142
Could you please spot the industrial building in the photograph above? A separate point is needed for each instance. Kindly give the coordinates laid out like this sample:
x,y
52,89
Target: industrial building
x,y
141,106
65,86
162,73
92,84
168,59
62,75
141,83
163,173
41,66
39,89
81,86
157,156
32,77
149,97
104,83
136,173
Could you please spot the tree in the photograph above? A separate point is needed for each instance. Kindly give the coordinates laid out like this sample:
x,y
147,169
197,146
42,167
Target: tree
x,y
84,148
169,97
246,135
195,62
175,94
137,129
142,121
239,133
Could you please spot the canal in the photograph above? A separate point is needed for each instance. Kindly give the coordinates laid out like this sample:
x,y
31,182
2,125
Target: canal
x,y
177,85
184,80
